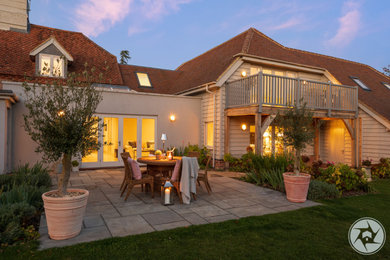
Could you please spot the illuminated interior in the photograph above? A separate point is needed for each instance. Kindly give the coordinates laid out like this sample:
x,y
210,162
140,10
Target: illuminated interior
x,y
148,134
130,136
272,141
93,156
210,134
110,139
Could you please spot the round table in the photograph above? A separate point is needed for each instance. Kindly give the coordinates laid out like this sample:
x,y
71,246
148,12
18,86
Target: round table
x,y
162,166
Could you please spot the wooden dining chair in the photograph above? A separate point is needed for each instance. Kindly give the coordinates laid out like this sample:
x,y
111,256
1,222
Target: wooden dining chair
x,y
175,179
130,182
203,176
143,171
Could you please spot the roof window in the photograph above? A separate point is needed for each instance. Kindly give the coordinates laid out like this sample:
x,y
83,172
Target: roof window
x,y
387,85
143,79
360,83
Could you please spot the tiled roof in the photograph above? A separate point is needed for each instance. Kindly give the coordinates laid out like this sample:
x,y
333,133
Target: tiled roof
x,y
15,61
162,80
210,65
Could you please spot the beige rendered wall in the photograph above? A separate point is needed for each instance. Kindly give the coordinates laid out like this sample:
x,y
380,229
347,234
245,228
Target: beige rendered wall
x,y
185,129
13,14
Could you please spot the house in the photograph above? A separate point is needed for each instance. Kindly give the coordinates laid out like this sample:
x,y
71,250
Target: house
x,y
225,99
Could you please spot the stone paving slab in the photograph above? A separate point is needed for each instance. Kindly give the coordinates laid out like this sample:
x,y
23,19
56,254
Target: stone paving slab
x,y
109,215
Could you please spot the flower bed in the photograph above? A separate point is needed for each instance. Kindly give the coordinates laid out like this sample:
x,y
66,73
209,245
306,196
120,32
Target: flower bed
x,y
21,203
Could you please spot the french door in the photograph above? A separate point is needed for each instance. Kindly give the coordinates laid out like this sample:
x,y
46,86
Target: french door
x,y
122,133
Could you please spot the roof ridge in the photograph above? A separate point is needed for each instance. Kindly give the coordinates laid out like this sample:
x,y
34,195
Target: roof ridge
x,y
132,65
212,49
247,41
319,54
54,29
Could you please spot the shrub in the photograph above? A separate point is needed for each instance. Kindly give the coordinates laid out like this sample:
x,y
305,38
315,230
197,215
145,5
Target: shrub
x,y
366,162
382,170
322,190
344,177
183,151
24,193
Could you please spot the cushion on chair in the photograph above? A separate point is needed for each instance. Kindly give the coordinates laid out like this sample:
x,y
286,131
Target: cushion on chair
x,y
137,174
176,171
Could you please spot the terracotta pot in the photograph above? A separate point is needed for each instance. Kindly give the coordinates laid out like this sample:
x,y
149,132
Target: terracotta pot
x,y
296,186
64,215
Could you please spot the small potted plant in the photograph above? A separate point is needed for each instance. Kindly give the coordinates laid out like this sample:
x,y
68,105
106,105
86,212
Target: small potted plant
x,y
75,166
366,165
158,154
298,131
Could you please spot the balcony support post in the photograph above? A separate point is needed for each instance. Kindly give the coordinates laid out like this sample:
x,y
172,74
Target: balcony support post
x,y
258,135
317,140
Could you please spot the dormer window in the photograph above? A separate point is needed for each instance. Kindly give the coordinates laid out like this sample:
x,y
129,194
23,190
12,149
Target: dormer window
x,y
143,79
51,59
51,65
360,83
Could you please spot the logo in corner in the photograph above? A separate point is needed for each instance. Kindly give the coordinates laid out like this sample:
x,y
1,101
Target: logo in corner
x,y
367,236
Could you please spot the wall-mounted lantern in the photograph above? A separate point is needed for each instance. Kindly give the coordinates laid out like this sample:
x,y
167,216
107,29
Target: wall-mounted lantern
x,y
243,73
172,118
243,127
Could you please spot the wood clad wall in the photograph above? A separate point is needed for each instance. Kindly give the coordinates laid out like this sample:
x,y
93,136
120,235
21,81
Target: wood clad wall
x,y
238,139
375,138
207,110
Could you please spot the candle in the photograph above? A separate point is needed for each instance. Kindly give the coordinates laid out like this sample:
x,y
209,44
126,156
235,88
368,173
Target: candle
x,y
169,156
167,195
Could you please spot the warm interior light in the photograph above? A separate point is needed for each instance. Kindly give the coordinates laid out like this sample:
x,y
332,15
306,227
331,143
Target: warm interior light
x,y
61,113
172,118
243,73
243,127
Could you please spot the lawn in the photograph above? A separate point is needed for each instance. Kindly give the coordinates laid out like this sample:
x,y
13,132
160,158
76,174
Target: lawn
x,y
312,233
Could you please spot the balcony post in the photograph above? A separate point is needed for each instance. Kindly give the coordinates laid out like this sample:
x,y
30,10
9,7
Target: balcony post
x,y
260,91
258,135
298,92
329,103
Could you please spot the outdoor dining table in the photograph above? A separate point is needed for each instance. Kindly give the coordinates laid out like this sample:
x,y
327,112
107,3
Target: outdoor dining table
x,y
162,166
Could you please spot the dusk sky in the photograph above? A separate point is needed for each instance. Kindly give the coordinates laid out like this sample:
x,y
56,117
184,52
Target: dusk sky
x,y
166,33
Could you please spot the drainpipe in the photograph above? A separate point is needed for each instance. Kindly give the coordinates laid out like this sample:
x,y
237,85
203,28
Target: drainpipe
x,y
214,146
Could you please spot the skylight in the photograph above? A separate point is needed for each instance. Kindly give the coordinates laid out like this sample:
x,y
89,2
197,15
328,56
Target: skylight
x,y
143,79
387,85
360,83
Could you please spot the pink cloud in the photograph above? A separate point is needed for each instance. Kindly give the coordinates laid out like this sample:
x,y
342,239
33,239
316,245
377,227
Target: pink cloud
x,y
92,17
349,25
294,21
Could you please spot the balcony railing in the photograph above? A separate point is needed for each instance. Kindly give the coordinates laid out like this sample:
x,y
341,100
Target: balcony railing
x,y
270,90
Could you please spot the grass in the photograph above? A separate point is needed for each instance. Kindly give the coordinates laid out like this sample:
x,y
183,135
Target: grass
x,y
311,233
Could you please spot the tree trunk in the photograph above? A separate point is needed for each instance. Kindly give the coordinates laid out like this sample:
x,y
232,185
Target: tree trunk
x,y
297,161
65,174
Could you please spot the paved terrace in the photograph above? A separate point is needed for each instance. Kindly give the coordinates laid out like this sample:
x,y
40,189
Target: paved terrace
x,y
108,215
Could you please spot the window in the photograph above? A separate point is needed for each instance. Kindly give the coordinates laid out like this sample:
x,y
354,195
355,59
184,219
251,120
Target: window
x,y
387,85
209,134
254,70
51,65
143,79
360,83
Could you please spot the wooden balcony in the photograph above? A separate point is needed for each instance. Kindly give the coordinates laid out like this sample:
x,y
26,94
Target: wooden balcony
x,y
272,92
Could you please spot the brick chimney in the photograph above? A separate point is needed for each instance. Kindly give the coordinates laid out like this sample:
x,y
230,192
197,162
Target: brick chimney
x,y
14,15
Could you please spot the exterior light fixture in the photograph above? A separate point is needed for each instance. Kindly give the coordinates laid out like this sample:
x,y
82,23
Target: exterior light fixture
x,y
61,113
243,74
166,193
243,127
172,118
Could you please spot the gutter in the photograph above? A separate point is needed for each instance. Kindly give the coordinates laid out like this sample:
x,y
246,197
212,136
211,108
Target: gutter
x,y
195,90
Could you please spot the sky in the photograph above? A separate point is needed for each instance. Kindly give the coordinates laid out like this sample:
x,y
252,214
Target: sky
x,y
167,33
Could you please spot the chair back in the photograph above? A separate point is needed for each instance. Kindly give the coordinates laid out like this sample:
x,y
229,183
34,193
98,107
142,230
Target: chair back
x,y
176,174
207,164
193,154
128,171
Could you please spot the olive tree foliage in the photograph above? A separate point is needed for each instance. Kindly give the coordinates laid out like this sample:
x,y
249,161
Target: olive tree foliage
x,y
60,119
298,130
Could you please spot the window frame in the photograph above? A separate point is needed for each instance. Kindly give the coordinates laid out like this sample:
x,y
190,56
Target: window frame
x,y
206,132
52,59
362,85
387,85
139,82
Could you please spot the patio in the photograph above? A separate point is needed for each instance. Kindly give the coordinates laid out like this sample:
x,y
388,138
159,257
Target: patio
x,y
108,215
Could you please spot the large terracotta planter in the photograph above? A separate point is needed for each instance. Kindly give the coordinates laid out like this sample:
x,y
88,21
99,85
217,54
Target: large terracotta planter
x,y
64,215
296,186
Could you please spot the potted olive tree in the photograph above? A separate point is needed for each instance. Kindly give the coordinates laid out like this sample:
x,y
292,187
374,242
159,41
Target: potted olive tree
x,y
298,131
60,119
